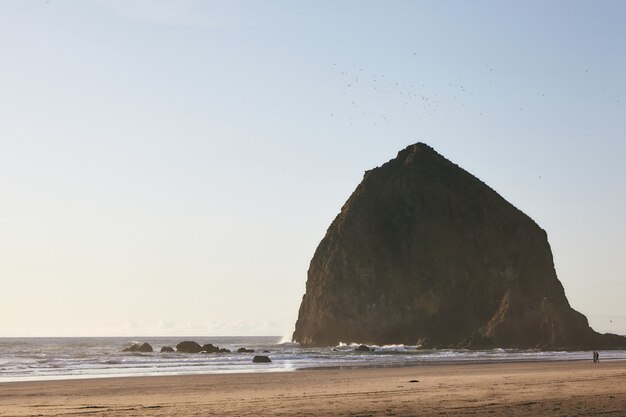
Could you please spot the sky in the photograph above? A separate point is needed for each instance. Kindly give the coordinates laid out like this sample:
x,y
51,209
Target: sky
x,y
168,168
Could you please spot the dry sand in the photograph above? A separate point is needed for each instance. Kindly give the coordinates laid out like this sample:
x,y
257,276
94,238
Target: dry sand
x,y
552,389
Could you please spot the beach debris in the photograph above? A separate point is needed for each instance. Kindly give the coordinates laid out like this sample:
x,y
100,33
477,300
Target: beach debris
x,y
244,350
414,380
139,348
364,348
188,347
167,349
261,359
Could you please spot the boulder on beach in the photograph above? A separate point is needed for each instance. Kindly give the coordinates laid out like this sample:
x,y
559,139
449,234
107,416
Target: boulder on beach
x,y
188,347
424,253
244,350
261,359
167,349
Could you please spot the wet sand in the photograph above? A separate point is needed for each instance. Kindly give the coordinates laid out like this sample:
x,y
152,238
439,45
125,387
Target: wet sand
x,y
542,389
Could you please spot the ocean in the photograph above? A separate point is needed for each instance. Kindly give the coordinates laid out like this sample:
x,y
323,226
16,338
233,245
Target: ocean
x,y
28,359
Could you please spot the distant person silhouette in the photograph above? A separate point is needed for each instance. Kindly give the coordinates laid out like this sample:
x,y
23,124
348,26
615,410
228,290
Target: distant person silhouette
x,y
596,357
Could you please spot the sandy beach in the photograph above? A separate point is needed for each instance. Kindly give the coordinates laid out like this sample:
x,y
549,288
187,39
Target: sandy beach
x,y
552,388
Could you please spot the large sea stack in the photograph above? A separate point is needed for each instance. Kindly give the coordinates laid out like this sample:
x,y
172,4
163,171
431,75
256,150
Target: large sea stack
x,y
425,253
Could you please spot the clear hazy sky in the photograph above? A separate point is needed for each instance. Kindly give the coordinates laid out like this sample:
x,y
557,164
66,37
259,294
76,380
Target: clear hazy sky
x,y
169,167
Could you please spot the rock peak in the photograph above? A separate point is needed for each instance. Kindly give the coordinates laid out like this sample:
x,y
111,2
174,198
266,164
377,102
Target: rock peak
x,y
419,147
425,253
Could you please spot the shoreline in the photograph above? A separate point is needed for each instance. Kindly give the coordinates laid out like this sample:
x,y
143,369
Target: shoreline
x,y
61,378
526,388
88,358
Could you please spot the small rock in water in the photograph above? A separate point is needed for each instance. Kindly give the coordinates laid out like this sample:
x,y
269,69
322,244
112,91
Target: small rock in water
x,y
188,347
145,348
132,348
139,348
261,359
209,348
244,350
167,349
363,348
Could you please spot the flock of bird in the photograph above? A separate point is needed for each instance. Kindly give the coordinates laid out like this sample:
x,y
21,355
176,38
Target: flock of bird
x,y
371,97
382,92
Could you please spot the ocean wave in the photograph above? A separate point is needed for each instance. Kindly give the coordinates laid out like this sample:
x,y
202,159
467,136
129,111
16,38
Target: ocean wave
x,y
385,348
90,357
351,344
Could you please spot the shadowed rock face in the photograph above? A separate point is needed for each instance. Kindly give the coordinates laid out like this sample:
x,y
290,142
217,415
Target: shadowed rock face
x,y
425,253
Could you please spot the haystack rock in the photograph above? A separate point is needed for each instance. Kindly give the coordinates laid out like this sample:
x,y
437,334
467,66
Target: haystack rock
x,y
425,253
